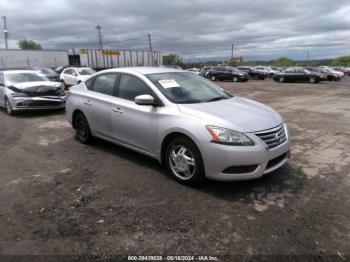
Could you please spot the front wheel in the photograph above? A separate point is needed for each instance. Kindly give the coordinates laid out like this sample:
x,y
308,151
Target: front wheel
x,y
281,80
82,128
235,79
212,78
184,161
8,107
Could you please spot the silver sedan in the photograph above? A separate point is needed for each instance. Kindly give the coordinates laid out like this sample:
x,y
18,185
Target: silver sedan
x,y
193,127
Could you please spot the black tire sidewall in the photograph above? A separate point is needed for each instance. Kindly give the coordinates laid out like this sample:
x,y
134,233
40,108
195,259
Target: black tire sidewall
x,y
199,176
87,139
7,103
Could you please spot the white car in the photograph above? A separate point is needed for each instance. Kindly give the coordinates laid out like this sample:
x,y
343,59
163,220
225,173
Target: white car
x,y
194,70
75,75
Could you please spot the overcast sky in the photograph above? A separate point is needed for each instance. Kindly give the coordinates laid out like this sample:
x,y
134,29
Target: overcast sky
x,y
192,28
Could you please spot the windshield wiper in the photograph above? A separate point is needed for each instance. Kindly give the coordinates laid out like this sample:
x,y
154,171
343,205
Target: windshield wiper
x,y
216,99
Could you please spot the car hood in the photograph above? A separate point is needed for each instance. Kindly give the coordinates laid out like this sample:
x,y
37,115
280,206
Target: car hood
x,y
41,86
236,113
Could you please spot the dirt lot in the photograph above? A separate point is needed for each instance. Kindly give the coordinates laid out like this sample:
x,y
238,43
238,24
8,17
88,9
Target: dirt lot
x,y
61,197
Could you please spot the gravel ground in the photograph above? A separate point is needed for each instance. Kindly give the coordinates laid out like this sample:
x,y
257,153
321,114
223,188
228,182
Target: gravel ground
x,y
60,197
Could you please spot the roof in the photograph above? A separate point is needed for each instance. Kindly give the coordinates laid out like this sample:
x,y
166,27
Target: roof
x,y
144,70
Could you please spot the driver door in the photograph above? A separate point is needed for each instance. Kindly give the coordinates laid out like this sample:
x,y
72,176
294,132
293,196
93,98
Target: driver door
x,y
135,125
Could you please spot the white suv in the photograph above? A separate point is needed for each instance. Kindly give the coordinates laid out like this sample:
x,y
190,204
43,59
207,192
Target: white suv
x,y
74,75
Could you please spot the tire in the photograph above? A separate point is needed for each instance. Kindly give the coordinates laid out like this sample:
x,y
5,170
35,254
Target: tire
x,y
212,78
8,107
82,128
235,79
272,75
184,161
312,80
256,77
281,80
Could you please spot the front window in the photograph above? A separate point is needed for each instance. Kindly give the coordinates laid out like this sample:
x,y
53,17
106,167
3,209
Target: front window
x,y
86,71
186,88
14,78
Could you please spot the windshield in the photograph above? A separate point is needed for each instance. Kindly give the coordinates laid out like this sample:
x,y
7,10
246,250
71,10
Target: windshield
x,y
14,78
187,88
86,71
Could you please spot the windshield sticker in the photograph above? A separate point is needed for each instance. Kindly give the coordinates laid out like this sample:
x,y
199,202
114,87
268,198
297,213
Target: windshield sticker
x,y
168,83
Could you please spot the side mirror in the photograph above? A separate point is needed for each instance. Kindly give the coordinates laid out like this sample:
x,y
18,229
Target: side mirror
x,y
144,100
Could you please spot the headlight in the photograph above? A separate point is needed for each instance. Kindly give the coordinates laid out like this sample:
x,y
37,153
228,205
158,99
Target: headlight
x,y
226,136
20,94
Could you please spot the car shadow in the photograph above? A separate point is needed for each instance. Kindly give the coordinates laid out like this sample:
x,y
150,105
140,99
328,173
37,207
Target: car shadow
x,y
286,180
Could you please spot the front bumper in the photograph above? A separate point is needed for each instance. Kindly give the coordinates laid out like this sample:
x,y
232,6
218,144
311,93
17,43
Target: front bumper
x,y
38,103
219,158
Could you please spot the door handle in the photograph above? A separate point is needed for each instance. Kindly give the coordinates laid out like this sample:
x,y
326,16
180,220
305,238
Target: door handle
x,y
118,110
87,102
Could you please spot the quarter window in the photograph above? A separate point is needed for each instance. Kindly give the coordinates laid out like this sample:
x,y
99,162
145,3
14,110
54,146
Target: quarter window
x,y
131,87
105,84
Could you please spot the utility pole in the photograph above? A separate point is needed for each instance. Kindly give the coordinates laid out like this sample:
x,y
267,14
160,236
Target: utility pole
x,y
308,57
6,33
150,42
98,27
232,51
150,47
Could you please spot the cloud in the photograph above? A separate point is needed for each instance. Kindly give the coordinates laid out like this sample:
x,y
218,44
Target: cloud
x,y
191,28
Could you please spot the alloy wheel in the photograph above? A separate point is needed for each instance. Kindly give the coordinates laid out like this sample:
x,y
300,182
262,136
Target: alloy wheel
x,y
182,162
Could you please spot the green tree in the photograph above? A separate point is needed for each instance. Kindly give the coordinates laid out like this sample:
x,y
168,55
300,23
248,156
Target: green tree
x,y
172,59
28,44
283,62
341,61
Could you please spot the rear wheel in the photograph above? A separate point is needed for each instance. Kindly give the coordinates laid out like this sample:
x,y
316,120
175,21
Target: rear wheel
x,y
184,161
8,107
82,128
312,80
212,78
281,80
235,79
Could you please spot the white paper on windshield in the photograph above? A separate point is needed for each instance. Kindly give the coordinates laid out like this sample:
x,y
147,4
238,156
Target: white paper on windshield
x,y
168,83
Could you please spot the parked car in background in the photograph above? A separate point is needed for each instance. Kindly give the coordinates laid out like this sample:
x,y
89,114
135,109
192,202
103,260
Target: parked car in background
x,y
194,70
295,74
29,90
59,69
227,73
253,73
205,70
49,73
317,71
75,75
193,127
331,74
267,70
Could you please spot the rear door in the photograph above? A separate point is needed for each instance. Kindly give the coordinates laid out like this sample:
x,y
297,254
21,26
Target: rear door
x,y
99,103
135,125
68,76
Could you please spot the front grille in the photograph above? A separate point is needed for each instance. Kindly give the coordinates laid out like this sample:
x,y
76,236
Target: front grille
x,y
34,103
273,137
